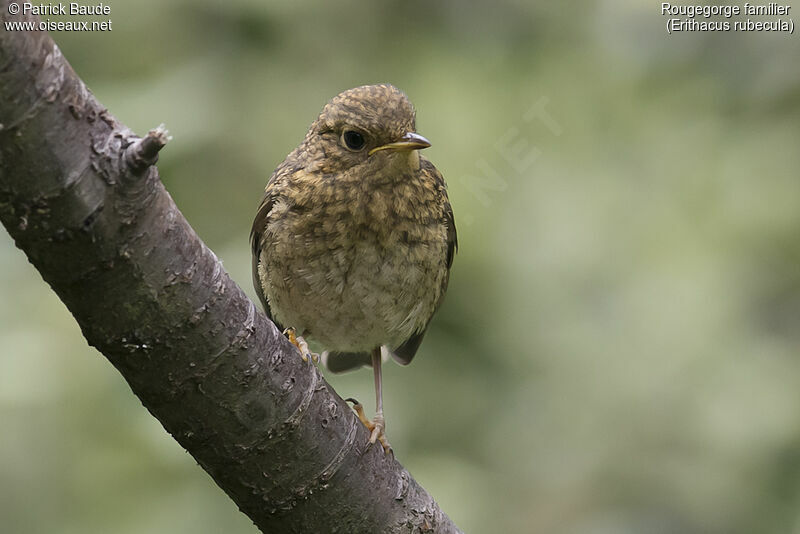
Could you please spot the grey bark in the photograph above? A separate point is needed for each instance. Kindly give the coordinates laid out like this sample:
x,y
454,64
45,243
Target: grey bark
x,y
80,196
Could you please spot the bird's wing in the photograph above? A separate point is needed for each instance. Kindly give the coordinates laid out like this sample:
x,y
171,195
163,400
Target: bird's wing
x,y
257,243
405,352
284,171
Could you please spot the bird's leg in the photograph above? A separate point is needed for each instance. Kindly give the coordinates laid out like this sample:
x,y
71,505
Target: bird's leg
x,y
377,426
378,420
301,345
359,408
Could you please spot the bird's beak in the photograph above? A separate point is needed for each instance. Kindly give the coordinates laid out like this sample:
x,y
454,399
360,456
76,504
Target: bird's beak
x,y
410,141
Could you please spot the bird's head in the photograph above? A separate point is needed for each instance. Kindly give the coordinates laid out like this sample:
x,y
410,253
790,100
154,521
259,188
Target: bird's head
x,y
370,126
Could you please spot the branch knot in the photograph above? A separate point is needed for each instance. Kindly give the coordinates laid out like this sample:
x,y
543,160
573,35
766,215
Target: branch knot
x,y
143,153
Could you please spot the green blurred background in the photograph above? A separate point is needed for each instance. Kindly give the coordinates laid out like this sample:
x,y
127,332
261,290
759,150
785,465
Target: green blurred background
x,y
619,347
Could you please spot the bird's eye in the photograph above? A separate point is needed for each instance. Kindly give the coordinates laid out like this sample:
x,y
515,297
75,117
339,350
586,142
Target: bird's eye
x,y
353,140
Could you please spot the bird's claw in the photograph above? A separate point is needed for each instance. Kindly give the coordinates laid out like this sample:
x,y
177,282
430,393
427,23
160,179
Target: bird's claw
x,y
302,346
377,426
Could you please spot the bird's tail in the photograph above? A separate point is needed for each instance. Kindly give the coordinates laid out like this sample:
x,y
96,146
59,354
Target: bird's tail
x,y
340,362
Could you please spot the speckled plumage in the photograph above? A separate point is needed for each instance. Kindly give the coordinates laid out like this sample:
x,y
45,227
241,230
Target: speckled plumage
x,y
353,248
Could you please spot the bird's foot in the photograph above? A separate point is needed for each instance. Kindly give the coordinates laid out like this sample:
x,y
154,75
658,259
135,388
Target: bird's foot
x,y
377,426
301,345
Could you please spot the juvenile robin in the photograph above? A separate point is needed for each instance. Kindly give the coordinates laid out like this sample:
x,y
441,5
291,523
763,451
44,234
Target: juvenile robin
x,y
354,238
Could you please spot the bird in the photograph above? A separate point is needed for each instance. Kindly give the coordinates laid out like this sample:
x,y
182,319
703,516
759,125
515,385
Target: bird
x,y
353,241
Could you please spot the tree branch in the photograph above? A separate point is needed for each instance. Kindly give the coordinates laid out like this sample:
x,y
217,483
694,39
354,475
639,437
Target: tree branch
x,y
80,196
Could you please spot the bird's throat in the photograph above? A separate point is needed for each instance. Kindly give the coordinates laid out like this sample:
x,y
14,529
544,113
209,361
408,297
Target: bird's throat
x,y
413,160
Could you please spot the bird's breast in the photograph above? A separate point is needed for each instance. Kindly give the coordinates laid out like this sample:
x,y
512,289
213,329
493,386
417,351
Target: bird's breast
x,y
356,265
